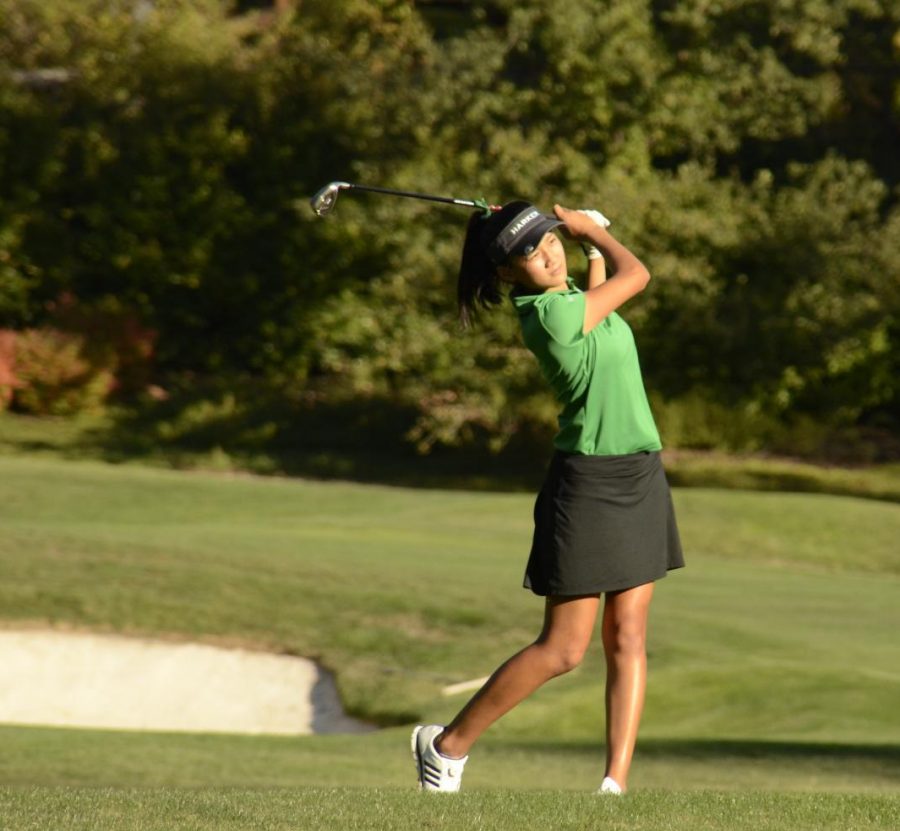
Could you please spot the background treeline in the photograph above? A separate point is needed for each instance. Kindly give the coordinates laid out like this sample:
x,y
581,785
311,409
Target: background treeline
x,y
156,244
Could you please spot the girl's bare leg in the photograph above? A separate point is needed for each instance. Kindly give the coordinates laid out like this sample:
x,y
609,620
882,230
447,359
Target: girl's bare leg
x,y
568,625
625,643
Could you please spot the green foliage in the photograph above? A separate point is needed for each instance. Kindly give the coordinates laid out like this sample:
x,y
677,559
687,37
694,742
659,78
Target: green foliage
x,y
744,149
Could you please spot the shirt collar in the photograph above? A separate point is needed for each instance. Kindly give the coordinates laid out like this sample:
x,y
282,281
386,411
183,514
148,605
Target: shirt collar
x,y
523,301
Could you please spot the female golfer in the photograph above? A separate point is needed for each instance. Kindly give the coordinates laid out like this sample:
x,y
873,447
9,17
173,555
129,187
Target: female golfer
x,y
604,523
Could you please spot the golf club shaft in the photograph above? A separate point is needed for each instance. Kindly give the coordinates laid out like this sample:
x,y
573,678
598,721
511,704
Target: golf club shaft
x,y
446,199
324,201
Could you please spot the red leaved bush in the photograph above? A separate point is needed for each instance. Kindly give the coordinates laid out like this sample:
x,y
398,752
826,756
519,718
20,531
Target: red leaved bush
x,y
8,379
53,376
114,338
76,364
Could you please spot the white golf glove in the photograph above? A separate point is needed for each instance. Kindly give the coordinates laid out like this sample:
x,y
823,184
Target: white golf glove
x,y
592,252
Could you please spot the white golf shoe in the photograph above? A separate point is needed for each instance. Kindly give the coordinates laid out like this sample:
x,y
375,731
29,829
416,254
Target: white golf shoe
x,y
436,772
610,786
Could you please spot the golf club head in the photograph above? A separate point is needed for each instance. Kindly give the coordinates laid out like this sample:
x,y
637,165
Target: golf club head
x,y
324,201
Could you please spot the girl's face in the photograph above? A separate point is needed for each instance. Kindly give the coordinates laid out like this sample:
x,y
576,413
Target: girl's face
x,y
544,269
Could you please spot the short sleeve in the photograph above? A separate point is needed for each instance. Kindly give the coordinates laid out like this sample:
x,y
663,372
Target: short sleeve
x,y
562,316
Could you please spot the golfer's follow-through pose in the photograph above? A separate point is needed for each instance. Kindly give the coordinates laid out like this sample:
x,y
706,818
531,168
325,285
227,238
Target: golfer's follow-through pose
x,y
604,523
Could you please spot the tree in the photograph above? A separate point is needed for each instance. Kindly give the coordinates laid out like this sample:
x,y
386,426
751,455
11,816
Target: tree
x,y
744,148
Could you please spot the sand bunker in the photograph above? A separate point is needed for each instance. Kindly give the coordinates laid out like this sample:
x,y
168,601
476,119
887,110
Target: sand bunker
x,y
83,680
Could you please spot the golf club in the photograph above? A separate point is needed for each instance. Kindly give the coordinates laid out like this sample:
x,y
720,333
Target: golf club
x,y
324,201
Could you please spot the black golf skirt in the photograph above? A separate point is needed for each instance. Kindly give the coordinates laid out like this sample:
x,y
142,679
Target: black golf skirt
x,y
601,524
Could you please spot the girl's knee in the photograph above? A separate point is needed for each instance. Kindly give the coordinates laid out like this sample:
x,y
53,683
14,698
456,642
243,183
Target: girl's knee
x,y
564,658
625,639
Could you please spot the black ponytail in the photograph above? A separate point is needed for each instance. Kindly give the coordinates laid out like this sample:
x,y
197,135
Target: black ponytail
x,y
478,283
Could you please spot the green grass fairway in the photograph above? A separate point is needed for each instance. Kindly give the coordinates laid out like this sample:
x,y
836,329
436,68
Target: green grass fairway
x,y
370,809
774,658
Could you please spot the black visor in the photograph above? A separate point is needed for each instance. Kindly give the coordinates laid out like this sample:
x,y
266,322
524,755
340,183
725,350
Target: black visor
x,y
521,234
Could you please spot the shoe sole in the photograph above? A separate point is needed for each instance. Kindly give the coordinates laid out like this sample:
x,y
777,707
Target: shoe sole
x,y
417,759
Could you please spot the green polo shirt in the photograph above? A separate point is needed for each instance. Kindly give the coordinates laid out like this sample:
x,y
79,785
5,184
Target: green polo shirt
x,y
596,377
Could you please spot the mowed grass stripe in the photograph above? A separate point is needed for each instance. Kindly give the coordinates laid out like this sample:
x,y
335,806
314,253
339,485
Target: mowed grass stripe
x,y
820,530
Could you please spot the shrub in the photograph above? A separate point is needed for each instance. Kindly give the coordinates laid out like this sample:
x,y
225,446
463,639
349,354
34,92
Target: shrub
x,y
53,375
8,379
113,337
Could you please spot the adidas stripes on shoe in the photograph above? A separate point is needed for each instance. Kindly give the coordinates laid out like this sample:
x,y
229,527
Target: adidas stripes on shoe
x,y
436,772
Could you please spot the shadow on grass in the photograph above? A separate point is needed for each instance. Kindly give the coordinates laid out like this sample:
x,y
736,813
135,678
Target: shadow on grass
x,y
723,751
356,440
722,764
709,750
692,471
253,428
